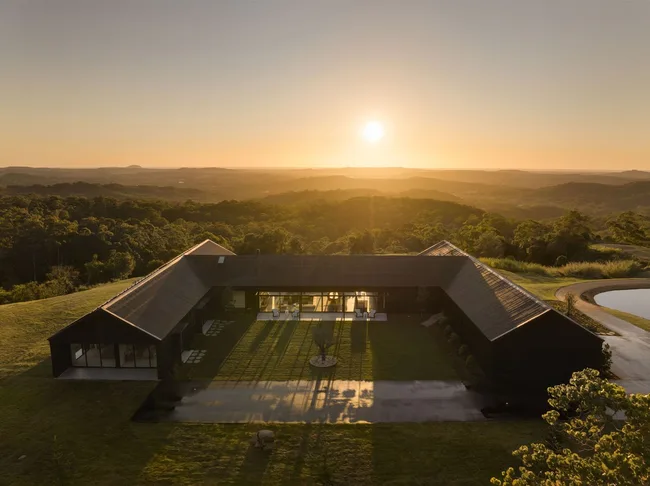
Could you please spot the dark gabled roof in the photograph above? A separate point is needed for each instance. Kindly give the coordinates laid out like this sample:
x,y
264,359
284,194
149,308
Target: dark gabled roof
x,y
156,303
102,323
208,247
334,271
493,303
159,301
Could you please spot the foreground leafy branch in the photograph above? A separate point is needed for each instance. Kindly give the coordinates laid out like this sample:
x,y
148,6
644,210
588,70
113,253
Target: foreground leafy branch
x,y
605,438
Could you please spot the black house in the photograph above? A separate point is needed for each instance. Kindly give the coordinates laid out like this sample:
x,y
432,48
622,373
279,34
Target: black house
x,y
518,340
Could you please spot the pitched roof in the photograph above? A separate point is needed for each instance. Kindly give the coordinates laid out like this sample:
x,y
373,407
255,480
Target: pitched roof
x,y
208,247
495,304
335,271
162,300
158,302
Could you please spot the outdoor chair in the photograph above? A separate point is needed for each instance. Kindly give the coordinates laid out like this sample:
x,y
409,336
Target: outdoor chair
x,y
296,313
372,313
358,313
275,312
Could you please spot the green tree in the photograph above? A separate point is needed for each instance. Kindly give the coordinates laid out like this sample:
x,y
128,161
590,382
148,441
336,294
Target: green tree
x,y
120,264
627,228
362,243
531,237
595,446
63,279
95,270
571,236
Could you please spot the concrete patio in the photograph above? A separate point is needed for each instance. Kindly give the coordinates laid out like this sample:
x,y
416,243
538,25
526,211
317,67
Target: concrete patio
x,y
323,401
110,374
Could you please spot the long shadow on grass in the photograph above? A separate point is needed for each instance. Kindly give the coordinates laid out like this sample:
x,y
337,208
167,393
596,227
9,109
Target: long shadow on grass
x,y
285,338
262,335
358,336
218,349
59,450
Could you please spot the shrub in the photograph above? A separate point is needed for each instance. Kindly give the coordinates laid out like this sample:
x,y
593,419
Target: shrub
x,y
517,266
463,350
607,359
454,340
561,261
587,270
570,304
472,365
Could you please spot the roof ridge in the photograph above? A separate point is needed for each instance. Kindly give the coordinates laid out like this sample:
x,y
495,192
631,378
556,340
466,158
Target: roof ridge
x,y
512,284
149,276
226,251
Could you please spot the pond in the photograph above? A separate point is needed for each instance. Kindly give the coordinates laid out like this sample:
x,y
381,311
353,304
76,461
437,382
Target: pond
x,y
632,301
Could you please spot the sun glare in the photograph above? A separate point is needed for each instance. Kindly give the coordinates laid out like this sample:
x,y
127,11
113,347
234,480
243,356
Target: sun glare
x,y
373,131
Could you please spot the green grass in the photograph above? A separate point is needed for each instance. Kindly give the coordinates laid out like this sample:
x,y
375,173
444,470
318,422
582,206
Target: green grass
x,y
542,286
398,349
584,270
81,432
631,318
636,251
27,325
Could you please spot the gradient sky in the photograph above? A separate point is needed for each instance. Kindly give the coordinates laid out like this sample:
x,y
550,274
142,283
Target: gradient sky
x,y
547,84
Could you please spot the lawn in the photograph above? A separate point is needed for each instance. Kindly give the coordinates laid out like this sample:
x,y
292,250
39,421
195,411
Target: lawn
x,y
27,325
542,286
631,318
397,349
81,432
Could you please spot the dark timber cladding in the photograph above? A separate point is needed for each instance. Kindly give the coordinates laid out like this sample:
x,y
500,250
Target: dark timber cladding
x,y
522,341
512,334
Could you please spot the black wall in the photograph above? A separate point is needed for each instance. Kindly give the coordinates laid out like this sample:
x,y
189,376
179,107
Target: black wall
x,y
96,327
545,352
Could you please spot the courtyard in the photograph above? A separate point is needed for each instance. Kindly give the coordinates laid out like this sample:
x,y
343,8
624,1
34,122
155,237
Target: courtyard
x,y
41,440
246,349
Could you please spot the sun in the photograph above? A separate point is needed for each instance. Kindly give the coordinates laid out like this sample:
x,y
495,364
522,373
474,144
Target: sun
x,y
373,131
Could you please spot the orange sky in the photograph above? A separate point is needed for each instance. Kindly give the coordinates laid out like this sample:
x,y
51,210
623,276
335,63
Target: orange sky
x,y
501,84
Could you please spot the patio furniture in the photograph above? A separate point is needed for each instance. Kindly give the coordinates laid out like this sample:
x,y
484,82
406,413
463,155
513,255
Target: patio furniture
x,y
372,313
296,313
358,313
275,312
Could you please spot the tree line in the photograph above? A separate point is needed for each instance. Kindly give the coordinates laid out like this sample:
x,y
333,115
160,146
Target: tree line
x,y
51,245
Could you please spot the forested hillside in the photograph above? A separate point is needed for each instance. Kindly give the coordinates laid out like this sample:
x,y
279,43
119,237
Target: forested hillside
x,y
50,245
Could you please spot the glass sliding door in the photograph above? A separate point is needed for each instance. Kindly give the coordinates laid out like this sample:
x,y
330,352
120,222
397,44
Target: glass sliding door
x,y
107,353
312,302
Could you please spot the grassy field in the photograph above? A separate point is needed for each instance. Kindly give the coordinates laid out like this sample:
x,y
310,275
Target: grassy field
x,y
542,286
27,325
80,432
399,349
631,318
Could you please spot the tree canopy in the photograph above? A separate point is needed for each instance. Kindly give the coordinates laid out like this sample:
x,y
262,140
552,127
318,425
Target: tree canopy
x,y
599,436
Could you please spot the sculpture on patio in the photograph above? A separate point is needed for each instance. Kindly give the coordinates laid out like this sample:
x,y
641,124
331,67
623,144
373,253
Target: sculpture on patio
x,y
323,336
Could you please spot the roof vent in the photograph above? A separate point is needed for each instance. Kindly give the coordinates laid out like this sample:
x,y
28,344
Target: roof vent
x,y
221,259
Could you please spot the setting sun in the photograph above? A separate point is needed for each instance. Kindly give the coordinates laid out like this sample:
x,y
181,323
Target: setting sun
x,y
373,131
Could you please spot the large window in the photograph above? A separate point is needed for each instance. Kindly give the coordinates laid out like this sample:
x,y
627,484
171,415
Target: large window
x,y
113,355
320,301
